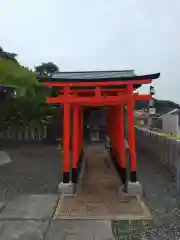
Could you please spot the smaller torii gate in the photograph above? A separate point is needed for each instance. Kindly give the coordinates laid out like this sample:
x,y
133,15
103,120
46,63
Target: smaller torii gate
x,y
112,89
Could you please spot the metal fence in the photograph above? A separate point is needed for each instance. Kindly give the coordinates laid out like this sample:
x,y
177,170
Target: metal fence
x,y
163,148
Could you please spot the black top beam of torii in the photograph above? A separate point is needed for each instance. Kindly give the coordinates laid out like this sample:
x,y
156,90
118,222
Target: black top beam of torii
x,y
96,76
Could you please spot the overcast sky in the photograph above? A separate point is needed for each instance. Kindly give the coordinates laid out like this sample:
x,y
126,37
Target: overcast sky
x,y
97,35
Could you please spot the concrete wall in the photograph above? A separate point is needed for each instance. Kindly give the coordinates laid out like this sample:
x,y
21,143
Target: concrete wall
x,y
157,123
171,124
159,147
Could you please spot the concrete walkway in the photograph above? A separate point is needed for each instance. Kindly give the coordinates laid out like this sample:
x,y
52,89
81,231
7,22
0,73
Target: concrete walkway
x,y
29,217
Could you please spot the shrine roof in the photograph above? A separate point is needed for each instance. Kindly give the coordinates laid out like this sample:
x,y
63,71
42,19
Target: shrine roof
x,y
95,76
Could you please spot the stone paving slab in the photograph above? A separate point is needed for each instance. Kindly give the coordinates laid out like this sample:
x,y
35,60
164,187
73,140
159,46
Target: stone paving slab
x,y
80,230
4,158
30,207
23,230
127,208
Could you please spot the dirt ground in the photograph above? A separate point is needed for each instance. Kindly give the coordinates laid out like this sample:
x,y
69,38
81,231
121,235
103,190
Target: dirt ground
x,y
35,169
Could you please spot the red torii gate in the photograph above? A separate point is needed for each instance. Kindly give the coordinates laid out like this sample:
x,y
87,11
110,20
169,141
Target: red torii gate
x,y
98,89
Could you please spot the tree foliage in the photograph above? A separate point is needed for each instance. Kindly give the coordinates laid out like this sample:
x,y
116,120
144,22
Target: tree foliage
x,y
8,56
162,106
24,79
29,106
16,75
46,69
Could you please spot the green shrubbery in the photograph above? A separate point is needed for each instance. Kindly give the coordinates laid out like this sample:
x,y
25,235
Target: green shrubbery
x,y
29,106
21,112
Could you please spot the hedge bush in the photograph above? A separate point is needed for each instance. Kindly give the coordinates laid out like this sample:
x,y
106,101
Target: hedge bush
x,y
22,112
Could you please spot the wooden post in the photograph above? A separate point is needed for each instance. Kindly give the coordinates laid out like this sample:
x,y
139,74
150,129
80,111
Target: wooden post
x,y
131,135
121,143
66,144
115,125
112,124
66,138
109,124
81,129
75,142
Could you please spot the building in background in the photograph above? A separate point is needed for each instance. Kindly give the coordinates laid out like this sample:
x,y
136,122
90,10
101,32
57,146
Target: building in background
x,y
171,122
141,117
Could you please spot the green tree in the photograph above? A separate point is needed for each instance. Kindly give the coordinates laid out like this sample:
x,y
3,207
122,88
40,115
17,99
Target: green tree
x,y
29,106
46,69
8,56
12,74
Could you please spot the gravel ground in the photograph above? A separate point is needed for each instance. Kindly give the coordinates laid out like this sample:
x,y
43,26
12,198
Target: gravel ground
x,y
160,193
35,169
160,196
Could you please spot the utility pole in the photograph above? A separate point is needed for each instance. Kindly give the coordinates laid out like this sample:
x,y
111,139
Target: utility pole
x,y
152,109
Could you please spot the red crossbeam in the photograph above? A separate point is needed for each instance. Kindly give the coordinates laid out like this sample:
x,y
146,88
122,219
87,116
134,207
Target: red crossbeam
x,y
97,99
80,100
88,91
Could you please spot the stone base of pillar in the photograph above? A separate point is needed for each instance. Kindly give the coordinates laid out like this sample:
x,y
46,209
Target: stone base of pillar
x,y
134,188
66,189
